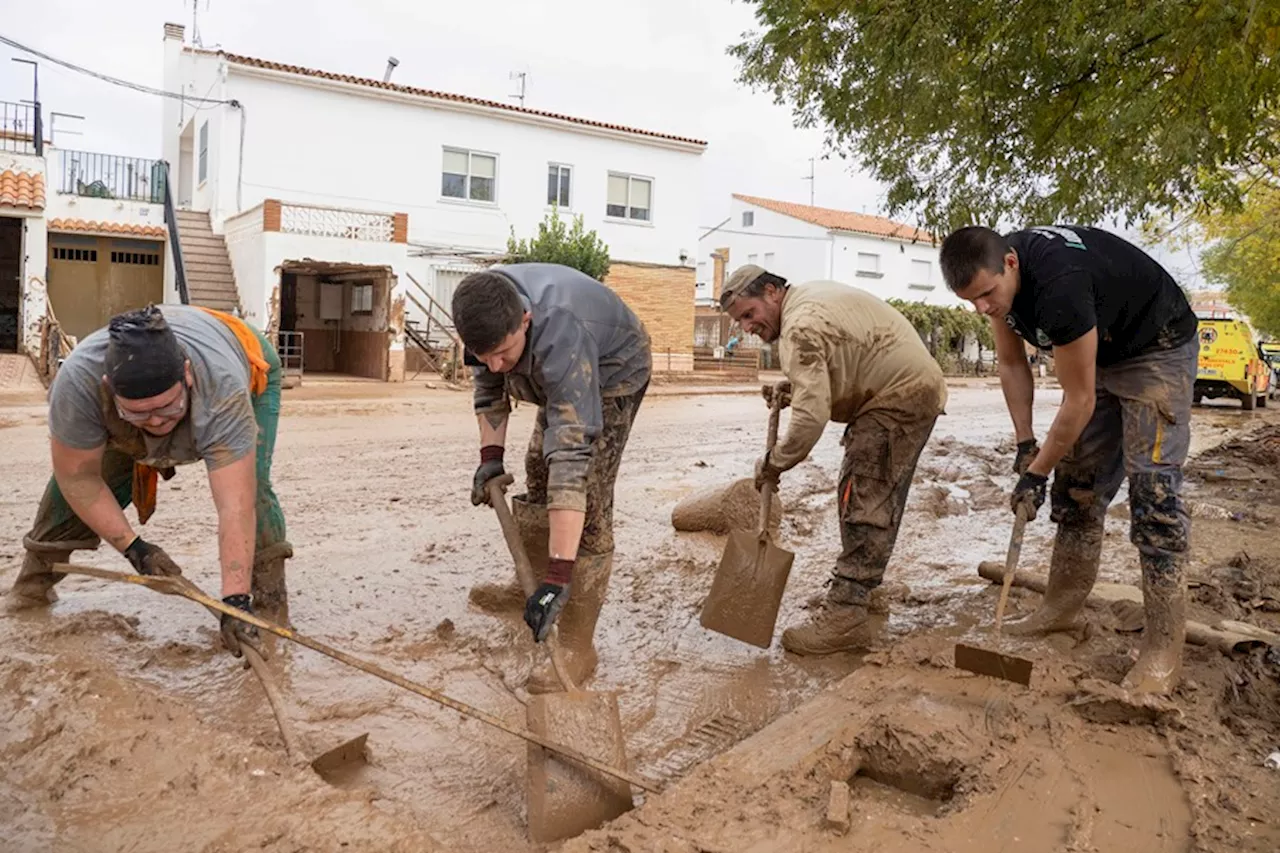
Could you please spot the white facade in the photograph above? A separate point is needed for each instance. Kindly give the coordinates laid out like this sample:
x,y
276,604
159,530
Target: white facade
x,y
800,251
305,139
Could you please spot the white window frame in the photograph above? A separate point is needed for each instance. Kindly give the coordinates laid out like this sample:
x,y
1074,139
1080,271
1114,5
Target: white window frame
x,y
751,258
927,284
627,218
561,167
466,197
203,161
768,261
863,272
748,219
361,297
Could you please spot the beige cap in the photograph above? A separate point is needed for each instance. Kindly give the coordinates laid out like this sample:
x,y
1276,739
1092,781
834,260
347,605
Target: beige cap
x,y
741,277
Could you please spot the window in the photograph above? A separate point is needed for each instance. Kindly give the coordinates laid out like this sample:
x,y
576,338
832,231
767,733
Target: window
x,y
748,218
62,253
559,182
629,197
768,261
204,151
751,259
362,298
469,175
869,265
920,274
145,259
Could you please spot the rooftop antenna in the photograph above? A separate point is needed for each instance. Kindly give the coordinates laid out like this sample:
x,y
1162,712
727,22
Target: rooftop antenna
x,y
522,76
392,62
811,181
195,22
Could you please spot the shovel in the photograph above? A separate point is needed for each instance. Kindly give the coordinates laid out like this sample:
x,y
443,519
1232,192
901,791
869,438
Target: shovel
x,y
988,662
565,800
747,590
331,764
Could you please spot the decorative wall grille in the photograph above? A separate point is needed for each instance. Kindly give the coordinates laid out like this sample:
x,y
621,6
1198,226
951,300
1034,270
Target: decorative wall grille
x,y
336,222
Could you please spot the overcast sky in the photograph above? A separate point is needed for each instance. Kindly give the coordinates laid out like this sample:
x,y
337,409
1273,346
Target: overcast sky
x,y
655,64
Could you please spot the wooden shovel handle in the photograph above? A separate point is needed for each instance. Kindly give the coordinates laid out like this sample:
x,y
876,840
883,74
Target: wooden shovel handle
x,y
766,493
274,699
1011,563
524,569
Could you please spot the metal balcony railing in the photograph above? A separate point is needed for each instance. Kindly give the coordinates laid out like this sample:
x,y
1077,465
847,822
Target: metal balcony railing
x,y
20,129
86,173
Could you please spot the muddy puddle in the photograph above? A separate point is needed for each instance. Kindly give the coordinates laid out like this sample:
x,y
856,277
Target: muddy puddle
x,y
119,712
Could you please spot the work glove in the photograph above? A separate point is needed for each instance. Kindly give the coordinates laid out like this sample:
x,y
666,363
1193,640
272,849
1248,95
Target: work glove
x,y
766,473
782,389
1027,451
235,632
490,467
1028,495
148,559
543,607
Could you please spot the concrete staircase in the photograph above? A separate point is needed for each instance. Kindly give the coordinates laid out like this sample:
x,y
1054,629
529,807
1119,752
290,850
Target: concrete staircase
x,y
210,281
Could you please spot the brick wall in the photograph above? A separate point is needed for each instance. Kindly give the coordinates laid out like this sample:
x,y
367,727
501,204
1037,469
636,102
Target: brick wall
x,y
662,298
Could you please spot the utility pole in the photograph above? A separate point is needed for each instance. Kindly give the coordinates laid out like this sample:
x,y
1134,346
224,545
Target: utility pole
x,y
522,76
810,179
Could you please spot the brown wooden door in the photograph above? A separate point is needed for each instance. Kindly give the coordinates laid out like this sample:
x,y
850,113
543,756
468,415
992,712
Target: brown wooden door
x,y
77,271
135,276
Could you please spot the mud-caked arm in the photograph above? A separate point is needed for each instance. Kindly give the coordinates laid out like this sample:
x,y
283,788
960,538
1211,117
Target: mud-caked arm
x,y
804,361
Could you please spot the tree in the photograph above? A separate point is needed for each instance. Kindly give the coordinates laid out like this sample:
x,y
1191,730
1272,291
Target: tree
x,y
557,244
989,111
1246,255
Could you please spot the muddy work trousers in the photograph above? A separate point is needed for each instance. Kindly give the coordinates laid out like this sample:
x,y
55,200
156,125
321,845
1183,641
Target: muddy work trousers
x,y
57,530
880,456
1141,427
619,413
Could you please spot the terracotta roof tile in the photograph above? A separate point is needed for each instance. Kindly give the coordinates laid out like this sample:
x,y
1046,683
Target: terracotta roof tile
x,y
22,189
430,93
842,220
92,226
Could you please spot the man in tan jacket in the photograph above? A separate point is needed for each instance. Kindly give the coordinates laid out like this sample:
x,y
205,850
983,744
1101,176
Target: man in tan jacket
x,y
850,358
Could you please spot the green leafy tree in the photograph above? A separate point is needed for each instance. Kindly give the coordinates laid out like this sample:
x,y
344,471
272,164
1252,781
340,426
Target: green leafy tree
x,y
557,243
945,329
1030,111
1245,257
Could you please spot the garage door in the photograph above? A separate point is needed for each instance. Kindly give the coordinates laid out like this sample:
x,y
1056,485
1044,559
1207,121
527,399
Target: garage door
x,y
91,279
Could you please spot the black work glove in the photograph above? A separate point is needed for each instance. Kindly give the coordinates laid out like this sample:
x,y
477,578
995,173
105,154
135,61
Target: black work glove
x,y
234,632
543,607
766,472
490,467
148,559
1027,451
1028,495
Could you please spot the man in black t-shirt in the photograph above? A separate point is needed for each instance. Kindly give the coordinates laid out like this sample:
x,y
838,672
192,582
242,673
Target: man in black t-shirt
x,y
1125,352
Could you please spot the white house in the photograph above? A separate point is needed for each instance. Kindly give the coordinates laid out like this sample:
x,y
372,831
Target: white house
x,y
803,243
389,193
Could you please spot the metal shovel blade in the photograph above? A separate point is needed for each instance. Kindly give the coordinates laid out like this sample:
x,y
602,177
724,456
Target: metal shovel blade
x,y
747,590
337,763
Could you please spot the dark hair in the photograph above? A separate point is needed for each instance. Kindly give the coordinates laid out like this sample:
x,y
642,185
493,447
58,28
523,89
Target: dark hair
x,y
968,250
486,308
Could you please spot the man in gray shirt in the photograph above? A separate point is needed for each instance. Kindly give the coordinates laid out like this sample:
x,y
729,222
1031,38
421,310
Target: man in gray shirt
x,y
158,388
550,335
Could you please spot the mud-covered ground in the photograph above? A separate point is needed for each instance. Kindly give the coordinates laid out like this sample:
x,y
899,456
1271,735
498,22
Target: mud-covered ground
x,y
123,727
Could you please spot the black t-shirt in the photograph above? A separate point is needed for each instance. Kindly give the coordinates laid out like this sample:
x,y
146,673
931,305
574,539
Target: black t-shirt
x,y
1076,278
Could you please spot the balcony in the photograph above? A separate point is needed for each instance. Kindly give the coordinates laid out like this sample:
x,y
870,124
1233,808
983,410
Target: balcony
x,y
85,173
19,124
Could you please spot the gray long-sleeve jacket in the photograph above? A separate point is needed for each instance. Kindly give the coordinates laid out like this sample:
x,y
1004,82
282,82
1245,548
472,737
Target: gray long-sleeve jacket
x,y
584,344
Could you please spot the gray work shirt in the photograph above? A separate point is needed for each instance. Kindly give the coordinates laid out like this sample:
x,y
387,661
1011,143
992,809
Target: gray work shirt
x,y
584,344
219,427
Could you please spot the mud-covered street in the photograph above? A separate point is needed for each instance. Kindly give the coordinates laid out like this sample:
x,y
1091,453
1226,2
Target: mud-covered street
x,y
124,726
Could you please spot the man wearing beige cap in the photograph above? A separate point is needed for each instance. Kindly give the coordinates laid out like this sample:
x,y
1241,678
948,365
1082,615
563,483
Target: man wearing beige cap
x,y
850,358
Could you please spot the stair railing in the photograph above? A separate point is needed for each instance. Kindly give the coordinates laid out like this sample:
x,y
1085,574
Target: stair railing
x,y
175,245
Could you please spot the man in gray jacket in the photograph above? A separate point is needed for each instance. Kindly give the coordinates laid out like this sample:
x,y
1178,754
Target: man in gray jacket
x,y
550,335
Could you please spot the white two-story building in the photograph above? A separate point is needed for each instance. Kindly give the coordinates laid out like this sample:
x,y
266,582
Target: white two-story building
x,y
346,202
803,243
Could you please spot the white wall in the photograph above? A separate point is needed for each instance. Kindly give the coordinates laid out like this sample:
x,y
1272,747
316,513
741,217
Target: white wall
x,y
897,278
801,251
66,206
383,151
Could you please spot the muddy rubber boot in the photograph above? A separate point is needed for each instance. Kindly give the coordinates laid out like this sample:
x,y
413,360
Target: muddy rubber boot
x,y
577,624
270,592
1072,572
535,530
34,584
849,619
1164,604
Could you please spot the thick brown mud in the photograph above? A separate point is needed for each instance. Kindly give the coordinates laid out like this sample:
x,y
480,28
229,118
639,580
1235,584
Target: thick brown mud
x,y
123,727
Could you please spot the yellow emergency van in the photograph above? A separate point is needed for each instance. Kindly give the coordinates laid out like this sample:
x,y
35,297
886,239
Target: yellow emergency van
x,y
1232,363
